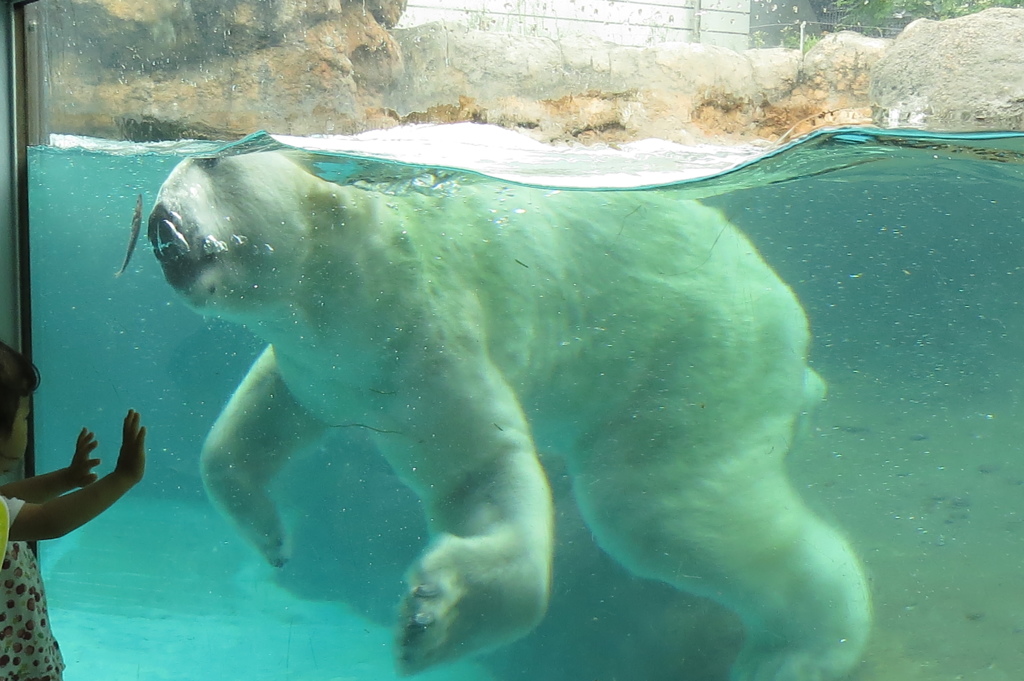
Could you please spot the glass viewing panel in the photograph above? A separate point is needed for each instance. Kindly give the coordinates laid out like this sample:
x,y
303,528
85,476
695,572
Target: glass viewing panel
x,y
451,304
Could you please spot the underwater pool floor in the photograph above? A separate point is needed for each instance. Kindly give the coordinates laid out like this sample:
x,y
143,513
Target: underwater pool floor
x,y
207,612
930,489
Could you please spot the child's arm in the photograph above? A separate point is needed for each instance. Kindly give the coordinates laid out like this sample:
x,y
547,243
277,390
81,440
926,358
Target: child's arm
x,y
41,488
60,515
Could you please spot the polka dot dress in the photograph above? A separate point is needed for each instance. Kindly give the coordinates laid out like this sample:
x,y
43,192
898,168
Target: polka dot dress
x,y
28,651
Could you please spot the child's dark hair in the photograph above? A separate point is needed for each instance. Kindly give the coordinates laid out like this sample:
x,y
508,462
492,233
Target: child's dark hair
x,y
18,378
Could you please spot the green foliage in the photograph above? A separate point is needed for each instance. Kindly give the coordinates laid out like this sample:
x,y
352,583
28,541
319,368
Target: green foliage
x,y
880,12
791,38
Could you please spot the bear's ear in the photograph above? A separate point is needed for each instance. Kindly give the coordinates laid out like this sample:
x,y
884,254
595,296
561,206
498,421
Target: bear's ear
x,y
206,162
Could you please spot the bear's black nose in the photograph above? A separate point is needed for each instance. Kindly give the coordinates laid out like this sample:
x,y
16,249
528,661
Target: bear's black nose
x,y
165,233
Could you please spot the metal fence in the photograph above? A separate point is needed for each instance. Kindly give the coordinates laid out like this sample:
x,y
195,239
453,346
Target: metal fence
x,y
625,22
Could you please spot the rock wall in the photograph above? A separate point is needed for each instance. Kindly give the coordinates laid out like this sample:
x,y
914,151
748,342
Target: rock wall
x,y
216,68
960,74
223,68
590,90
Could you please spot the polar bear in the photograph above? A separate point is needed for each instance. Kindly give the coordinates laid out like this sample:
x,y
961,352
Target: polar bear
x,y
461,328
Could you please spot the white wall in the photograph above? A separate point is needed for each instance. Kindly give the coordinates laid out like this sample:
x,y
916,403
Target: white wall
x,y
626,22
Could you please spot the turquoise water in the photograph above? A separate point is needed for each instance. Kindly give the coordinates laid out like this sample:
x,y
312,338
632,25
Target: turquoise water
x,y
905,249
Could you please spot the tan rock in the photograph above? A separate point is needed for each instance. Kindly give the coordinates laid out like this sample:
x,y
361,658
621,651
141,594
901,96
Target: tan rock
x,y
332,66
959,74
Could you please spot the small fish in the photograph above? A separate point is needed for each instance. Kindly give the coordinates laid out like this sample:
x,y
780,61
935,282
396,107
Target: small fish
x,y
134,238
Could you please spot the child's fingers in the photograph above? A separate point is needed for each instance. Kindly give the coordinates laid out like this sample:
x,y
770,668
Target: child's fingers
x,y
86,443
134,437
131,422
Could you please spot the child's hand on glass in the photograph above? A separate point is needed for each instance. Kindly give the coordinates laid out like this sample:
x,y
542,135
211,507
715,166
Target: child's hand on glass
x,y
131,463
80,473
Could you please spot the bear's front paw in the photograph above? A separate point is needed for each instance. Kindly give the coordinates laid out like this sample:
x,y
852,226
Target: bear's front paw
x,y
468,594
424,627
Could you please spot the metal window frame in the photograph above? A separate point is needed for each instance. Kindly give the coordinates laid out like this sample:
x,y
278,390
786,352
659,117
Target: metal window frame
x,y
14,327
15,304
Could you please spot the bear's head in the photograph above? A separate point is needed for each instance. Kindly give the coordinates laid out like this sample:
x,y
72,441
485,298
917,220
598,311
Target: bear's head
x,y
232,233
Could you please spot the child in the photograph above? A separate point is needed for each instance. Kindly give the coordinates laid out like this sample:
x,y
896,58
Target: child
x,y
38,508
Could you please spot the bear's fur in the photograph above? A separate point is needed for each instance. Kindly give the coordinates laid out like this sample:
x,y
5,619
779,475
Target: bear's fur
x,y
461,327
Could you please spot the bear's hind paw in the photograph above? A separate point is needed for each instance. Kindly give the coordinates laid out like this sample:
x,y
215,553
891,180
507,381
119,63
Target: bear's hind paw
x,y
794,665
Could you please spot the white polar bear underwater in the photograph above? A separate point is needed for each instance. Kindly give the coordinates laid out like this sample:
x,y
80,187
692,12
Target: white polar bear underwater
x,y
463,329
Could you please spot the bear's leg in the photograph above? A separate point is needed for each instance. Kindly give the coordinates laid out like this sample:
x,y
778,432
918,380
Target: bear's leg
x,y
717,516
256,433
484,579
